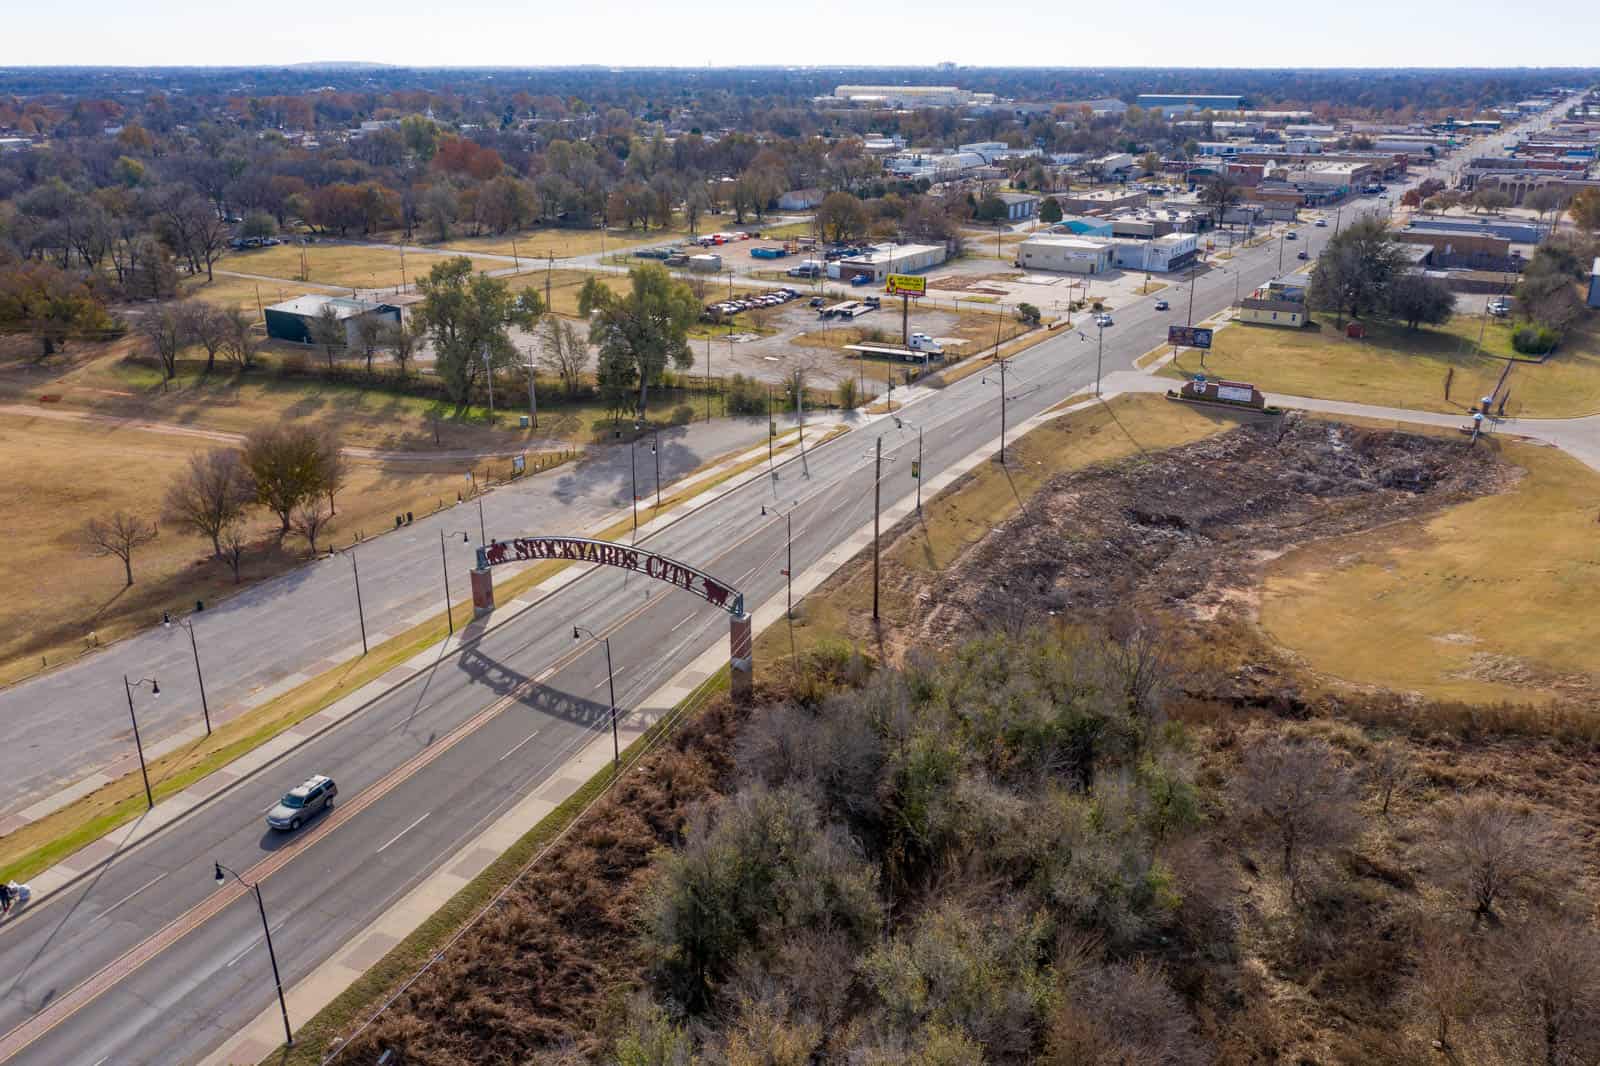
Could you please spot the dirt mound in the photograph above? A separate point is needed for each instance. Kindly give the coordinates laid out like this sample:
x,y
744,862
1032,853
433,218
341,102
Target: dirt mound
x,y
1188,529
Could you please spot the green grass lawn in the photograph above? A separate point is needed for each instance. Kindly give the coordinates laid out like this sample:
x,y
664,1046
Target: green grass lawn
x,y
1396,367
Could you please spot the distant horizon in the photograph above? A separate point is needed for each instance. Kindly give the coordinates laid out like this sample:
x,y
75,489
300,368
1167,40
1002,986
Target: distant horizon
x,y
490,35
359,64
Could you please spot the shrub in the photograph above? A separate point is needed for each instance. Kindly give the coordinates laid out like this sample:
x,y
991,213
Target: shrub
x,y
761,868
1028,314
746,396
1533,339
845,391
682,415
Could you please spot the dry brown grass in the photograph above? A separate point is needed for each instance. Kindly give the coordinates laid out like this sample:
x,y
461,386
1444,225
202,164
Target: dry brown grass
x,y
61,474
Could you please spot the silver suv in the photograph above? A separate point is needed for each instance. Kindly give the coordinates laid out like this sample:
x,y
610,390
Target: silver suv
x,y
299,805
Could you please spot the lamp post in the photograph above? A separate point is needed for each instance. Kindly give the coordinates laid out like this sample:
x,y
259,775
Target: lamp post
x,y
167,622
788,571
633,481
1001,363
155,690
444,564
655,450
916,472
222,875
1099,351
361,613
611,686
488,371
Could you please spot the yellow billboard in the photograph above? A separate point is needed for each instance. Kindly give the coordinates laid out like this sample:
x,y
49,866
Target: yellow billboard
x,y
905,285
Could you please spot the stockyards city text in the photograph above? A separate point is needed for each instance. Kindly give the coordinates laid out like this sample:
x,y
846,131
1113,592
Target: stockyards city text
x,y
580,550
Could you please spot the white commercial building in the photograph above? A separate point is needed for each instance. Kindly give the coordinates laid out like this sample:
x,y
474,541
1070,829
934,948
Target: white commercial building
x,y
886,259
1158,255
1331,173
907,96
1068,255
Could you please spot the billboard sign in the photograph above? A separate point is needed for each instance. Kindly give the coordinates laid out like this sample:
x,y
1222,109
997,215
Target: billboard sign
x,y
905,285
1189,336
623,556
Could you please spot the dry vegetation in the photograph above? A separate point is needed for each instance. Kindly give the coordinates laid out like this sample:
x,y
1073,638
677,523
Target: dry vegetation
x,y
1121,828
59,475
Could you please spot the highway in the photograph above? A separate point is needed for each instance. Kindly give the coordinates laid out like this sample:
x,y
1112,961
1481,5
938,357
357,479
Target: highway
x,y
424,768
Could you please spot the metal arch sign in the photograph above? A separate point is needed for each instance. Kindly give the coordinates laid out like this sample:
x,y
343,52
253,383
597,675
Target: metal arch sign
x,y
605,553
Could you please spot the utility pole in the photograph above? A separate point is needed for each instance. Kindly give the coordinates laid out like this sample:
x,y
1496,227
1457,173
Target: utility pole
x,y
772,434
549,268
533,393
1001,363
1099,351
708,377
877,501
488,370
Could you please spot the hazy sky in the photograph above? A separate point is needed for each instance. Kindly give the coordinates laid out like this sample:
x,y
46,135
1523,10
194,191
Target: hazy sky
x,y
1358,33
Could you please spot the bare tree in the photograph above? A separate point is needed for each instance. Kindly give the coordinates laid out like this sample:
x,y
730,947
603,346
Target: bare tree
x,y
370,334
241,343
403,342
167,330
334,468
1489,849
208,327
1449,985
1122,1014
233,547
563,352
210,495
120,534
327,332
1558,978
310,520
1390,772
1301,794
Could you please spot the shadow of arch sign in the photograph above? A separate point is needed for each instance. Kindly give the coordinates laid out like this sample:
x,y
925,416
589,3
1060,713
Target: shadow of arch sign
x,y
626,557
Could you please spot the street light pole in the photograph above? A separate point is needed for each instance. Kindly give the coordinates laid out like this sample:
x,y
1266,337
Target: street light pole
x,y
1099,351
611,687
155,690
788,573
205,709
222,874
444,565
655,450
901,423
633,482
488,370
361,613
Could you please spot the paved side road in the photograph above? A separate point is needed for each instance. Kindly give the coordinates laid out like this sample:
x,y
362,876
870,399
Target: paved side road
x,y
73,722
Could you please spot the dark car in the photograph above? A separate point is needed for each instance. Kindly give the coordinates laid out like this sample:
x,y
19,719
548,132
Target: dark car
x,y
299,805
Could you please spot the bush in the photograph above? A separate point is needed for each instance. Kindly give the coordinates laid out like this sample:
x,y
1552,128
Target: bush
x,y
845,391
1028,314
1533,339
682,415
746,396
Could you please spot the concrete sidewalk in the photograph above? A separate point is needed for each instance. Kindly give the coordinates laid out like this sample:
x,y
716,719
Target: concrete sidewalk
x,y
173,808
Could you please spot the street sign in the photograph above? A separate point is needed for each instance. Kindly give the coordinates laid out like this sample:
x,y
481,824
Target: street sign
x,y
905,285
1189,336
519,463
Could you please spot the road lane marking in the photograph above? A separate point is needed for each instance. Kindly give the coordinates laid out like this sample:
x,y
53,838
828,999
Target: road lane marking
x,y
681,624
248,948
608,679
403,832
542,678
130,895
513,751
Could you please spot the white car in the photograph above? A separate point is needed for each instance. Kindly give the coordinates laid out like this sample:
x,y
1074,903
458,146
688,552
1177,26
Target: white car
x,y
1103,320
1322,223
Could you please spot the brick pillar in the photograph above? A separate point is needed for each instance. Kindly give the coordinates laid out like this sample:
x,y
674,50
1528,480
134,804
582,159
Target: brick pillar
x,y
482,591
741,664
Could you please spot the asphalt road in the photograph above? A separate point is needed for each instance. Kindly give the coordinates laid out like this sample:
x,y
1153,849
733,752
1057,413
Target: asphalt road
x,y
423,769
65,724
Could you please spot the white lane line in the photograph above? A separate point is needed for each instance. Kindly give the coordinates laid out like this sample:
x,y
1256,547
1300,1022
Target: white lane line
x,y
681,624
248,948
604,680
542,678
403,832
130,895
513,751
102,1062
746,574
